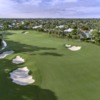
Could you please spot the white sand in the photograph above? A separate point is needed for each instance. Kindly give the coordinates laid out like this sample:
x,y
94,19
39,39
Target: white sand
x,y
67,45
74,48
6,53
26,32
20,76
18,60
4,45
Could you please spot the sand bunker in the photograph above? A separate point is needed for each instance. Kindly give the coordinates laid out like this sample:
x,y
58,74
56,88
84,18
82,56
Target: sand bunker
x,y
74,48
20,76
18,60
4,45
6,53
67,45
26,32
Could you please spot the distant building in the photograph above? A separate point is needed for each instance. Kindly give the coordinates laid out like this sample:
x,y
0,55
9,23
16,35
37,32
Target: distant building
x,y
35,27
60,26
85,34
68,30
10,26
13,24
1,27
22,22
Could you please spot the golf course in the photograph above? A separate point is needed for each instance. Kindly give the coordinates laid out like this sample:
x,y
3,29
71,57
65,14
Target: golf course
x,y
59,74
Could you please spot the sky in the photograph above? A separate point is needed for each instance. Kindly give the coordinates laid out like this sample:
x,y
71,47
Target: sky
x,y
49,8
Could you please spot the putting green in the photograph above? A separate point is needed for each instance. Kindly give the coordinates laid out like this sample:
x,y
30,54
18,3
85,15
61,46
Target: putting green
x,y
60,74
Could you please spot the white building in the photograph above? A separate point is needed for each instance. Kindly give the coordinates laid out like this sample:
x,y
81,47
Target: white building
x,y
60,26
68,30
1,26
35,27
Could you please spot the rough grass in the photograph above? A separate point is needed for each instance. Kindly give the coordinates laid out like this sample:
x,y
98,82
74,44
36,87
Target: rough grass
x,y
60,74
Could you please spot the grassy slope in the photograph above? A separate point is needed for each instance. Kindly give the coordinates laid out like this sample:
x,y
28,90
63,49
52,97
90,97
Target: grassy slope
x,y
59,73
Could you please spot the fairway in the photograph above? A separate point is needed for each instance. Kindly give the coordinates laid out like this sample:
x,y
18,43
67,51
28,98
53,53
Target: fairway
x,y
60,74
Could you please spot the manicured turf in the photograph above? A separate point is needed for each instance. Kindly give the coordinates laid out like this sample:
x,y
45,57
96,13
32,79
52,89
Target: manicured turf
x,y
60,74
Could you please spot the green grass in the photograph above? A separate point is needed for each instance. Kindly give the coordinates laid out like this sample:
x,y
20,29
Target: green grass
x,y
60,74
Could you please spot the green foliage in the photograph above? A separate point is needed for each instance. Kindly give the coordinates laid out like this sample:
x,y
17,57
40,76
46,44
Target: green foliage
x,y
49,26
96,35
0,42
85,27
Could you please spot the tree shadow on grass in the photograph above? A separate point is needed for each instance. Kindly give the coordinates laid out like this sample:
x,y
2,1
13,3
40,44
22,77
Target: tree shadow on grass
x,y
18,47
6,33
51,53
30,92
12,91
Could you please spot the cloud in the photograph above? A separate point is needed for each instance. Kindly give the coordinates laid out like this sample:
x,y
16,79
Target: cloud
x,y
49,8
6,8
56,2
28,2
69,0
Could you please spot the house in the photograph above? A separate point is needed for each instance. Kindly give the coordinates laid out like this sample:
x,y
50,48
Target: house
x,y
36,27
10,26
85,34
60,26
1,27
22,22
13,24
68,30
